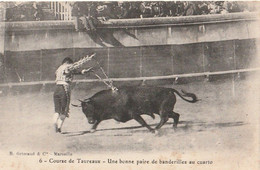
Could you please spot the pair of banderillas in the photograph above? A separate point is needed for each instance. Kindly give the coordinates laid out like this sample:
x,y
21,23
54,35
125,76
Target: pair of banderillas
x,y
79,63
109,83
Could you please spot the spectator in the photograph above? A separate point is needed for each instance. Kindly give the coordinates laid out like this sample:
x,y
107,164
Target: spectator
x,y
234,7
107,10
37,12
146,10
118,10
92,17
134,10
25,11
125,9
213,8
180,8
160,9
155,9
84,13
190,9
169,11
202,8
75,13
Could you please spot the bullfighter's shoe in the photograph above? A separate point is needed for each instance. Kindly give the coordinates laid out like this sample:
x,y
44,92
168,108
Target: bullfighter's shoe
x,y
56,127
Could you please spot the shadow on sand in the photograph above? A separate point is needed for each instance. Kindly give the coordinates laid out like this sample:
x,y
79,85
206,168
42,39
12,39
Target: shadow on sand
x,y
182,126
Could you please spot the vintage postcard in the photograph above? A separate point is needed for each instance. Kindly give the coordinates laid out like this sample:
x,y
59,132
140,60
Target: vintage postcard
x,y
129,85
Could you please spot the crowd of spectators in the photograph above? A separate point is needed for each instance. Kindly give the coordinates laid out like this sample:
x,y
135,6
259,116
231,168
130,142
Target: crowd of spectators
x,y
32,11
128,9
91,13
27,11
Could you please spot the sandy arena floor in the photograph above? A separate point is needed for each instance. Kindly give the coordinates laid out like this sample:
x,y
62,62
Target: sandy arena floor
x,y
224,122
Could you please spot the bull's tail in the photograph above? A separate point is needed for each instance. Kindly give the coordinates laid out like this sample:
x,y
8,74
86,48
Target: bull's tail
x,y
186,94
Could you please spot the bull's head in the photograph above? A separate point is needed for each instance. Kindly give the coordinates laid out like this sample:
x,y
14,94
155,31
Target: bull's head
x,y
88,110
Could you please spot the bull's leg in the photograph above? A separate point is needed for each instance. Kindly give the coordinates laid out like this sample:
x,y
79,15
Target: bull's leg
x,y
94,127
165,108
139,119
164,119
175,117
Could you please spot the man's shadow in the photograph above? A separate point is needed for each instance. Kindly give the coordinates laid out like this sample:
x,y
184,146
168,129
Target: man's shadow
x,y
102,36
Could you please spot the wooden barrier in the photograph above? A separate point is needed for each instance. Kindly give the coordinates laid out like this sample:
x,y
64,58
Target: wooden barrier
x,y
132,62
151,47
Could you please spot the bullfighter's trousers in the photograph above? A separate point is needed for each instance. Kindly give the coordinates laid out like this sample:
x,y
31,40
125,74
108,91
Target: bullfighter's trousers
x,y
61,99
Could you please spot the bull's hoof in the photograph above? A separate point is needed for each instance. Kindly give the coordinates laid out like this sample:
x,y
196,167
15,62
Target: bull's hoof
x,y
58,130
92,130
156,132
175,128
152,130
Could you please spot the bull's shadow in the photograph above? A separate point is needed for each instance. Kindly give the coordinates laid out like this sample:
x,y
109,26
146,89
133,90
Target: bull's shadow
x,y
182,126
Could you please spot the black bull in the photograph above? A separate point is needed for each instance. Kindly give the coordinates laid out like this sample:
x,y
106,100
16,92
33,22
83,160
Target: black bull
x,y
131,102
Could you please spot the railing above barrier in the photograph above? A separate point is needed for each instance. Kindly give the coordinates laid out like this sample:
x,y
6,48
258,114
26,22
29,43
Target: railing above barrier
x,y
62,10
139,78
180,20
139,22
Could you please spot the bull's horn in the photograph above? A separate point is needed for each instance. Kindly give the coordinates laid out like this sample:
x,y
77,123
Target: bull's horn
x,y
86,100
76,105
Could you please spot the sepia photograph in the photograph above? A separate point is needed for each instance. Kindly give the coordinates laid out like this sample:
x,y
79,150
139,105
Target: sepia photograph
x,y
130,85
